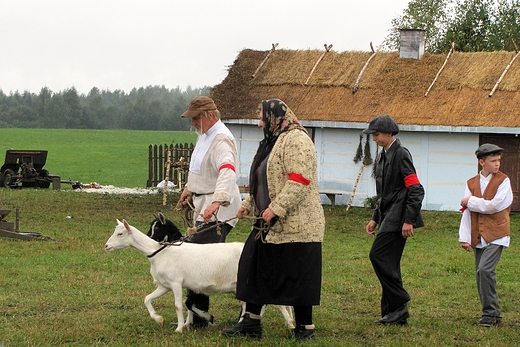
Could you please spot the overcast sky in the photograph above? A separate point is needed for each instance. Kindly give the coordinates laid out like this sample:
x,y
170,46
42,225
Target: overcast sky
x,y
122,44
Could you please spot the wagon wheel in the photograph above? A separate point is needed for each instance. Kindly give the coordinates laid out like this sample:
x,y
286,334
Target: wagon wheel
x,y
8,177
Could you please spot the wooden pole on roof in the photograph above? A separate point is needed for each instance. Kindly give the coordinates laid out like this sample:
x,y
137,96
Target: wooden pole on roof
x,y
327,48
503,74
442,68
265,59
356,85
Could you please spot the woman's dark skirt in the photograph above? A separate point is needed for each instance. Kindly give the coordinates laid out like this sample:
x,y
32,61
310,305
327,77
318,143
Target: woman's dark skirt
x,y
280,274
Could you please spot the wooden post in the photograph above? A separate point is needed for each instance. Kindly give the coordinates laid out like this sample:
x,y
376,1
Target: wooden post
x,y
167,175
355,187
17,220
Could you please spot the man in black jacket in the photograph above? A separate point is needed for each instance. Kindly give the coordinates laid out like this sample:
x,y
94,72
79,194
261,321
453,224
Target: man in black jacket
x,y
398,213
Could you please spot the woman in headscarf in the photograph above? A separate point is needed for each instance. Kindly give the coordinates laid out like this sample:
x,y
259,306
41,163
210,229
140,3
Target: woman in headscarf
x,y
282,260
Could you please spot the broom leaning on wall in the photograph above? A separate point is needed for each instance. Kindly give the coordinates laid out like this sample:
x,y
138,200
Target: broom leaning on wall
x,y
367,160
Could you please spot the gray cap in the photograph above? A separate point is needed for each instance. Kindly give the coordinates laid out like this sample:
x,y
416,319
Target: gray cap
x,y
383,124
487,149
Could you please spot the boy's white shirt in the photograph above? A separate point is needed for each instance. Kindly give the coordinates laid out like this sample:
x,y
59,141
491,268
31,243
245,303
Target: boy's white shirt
x,y
502,200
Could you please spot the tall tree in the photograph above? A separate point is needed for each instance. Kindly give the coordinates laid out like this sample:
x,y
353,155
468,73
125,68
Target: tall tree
x,y
150,108
507,24
93,110
43,100
73,113
471,27
429,15
55,113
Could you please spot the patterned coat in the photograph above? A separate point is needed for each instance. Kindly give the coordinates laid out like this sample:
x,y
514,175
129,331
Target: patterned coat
x,y
292,180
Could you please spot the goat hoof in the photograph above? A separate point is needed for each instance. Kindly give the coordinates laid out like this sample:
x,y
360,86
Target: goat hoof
x,y
159,320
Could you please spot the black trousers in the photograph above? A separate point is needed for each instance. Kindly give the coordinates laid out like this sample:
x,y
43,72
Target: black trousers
x,y
201,301
385,256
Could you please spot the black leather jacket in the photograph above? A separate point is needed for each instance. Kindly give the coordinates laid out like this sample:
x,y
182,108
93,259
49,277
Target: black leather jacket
x,y
396,203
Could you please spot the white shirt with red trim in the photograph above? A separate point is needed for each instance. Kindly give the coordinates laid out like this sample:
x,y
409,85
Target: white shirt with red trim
x,y
213,173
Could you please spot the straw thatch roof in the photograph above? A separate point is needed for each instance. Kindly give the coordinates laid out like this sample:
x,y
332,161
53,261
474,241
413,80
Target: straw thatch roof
x,y
389,85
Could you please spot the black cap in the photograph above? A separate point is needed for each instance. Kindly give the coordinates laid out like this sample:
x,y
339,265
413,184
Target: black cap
x,y
487,149
383,124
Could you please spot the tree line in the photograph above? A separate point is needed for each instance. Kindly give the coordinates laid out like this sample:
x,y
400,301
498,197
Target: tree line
x,y
146,108
472,25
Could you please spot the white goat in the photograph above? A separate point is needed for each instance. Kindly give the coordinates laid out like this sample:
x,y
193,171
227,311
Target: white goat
x,y
203,268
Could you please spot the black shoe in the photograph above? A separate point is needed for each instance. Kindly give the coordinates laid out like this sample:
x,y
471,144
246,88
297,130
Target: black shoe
x,y
488,321
398,316
302,333
248,326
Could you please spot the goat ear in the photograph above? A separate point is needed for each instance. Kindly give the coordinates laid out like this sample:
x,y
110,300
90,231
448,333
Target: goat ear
x,y
162,218
127,226
118,222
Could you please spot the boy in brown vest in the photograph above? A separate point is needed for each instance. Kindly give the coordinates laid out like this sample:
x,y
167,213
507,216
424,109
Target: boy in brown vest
x,y
485,226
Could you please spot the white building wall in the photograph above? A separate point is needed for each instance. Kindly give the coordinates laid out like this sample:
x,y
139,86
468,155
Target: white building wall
x,y
247,138
336,150
444,162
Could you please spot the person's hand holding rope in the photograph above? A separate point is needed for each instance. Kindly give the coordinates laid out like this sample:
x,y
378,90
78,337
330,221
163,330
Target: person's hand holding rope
x,y
268,215
210,211
242,212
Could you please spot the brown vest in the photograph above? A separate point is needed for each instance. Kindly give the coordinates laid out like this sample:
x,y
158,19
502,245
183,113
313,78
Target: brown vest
x,y
488,226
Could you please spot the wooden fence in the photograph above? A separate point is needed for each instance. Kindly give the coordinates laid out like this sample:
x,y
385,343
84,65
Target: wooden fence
x,y
178,155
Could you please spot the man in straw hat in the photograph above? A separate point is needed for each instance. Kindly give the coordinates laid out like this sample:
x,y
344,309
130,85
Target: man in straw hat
x,y
212,183
484,226
398,213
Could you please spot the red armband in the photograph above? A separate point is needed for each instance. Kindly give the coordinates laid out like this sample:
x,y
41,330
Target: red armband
x,y
410,180
293,176
227,166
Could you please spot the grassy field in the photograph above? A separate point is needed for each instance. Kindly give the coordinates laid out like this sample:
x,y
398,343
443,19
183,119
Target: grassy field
x,y
70,292
108,157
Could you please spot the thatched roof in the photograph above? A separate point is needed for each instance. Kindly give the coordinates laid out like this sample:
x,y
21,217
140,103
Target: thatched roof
x,y
389,85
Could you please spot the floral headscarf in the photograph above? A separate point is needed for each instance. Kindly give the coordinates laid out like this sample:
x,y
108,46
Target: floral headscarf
x,y
277,118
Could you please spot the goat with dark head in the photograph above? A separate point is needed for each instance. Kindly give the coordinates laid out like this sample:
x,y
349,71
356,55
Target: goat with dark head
x,y
163,230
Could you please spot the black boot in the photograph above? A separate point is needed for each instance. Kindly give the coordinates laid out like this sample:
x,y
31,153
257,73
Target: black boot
x,y
304,332
249,326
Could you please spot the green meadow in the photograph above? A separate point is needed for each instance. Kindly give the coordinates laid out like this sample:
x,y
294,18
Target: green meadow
x,y
69,292
108,157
